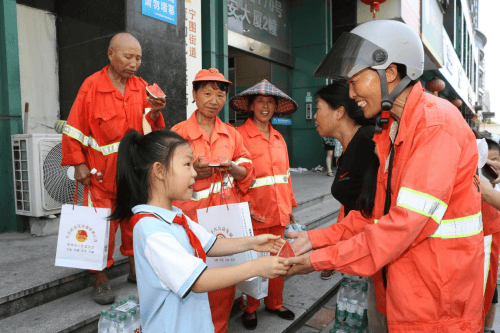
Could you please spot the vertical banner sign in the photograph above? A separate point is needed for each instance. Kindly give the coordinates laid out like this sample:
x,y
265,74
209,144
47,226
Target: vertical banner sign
x,y
193,49
163,10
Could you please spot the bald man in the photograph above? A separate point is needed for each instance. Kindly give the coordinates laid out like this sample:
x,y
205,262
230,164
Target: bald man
x,y
109,104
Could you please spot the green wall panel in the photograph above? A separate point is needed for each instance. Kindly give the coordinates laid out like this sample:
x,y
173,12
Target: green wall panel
x,y
311,40
10,111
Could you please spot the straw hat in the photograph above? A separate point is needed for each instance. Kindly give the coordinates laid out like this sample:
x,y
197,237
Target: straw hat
x,y
286,105
211,74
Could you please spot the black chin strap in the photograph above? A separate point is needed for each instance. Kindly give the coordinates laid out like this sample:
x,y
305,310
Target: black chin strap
x,y
388,99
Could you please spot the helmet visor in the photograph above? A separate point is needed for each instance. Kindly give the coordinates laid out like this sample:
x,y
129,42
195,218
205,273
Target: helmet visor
x,y
350,54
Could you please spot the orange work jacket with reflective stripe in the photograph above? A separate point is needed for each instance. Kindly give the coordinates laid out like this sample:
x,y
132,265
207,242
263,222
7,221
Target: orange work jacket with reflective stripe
x,y
491,224
225,142
271,194
431,241
99,118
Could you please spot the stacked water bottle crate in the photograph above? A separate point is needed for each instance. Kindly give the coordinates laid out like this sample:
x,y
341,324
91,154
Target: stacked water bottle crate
x,y
351,314
122,318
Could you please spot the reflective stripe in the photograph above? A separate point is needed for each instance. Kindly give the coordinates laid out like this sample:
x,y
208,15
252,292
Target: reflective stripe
x,y
487,254
197,196
461,227
90,141
270,180
421,203
242,160
375,221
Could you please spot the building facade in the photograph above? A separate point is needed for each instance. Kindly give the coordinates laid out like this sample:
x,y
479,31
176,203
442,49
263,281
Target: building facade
x,y
49,47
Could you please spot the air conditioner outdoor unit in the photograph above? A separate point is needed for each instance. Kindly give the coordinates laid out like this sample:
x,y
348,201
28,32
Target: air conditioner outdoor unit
x,y
41,184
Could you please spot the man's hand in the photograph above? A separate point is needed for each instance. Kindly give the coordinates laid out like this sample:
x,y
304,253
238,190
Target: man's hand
x,y
300,265
82,174
495,165
202,169
302,243
156,105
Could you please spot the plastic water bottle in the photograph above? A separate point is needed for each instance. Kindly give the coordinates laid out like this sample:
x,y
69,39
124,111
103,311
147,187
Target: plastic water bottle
x,y
124,324
340,313
103,325
352,307
293,227
133,298
363,307
135,321
113,323
123,301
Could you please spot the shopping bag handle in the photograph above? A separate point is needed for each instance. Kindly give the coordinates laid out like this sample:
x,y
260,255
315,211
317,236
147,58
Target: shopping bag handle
x,y
75,197
221,177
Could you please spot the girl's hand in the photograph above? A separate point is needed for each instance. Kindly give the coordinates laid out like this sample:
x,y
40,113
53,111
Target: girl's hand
x,y
302,243
267,243
271,267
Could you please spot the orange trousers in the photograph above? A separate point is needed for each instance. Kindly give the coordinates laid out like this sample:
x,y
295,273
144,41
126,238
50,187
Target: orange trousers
x,y
491,282
274,299
221,302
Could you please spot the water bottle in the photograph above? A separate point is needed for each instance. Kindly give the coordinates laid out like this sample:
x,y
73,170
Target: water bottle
x,y
363,307
357,330
103,324
293,227
135,323
134,299
123,301
113,323
124,324
352,307
340,312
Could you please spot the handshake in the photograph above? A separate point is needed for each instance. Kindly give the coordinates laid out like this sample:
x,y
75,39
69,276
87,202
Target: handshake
x,y
288,259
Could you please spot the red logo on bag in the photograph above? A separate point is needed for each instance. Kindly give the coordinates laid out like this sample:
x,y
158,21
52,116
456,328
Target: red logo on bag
x,y
220,236
81,236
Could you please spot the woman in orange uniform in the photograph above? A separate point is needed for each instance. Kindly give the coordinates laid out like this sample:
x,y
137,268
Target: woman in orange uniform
x,y
208,136
271,196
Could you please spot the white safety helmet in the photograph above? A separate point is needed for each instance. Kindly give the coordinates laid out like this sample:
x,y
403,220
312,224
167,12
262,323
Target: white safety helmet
x,y
376,45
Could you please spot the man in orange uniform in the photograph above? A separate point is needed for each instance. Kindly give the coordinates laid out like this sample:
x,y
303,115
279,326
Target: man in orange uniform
x,y
109,104
271,195
428,243
208,136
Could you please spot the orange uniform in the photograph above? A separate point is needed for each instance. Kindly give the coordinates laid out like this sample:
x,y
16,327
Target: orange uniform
x,y
431,241
271,196
225,142
98,120
491,222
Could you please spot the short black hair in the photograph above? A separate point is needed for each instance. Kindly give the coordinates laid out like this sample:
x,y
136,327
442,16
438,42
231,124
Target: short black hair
x,y
214,84
336,95
492,145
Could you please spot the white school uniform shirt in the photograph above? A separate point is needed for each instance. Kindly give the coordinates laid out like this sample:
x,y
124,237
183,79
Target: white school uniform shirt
x,y
167,269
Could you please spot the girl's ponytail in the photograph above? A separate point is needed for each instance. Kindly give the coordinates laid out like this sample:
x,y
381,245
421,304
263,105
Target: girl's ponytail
x,y
129,191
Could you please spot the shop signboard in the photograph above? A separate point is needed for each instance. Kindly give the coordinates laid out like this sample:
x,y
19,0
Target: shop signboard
x,y
163,10
193,49
410,13
432,32
263,20
454,73
281,121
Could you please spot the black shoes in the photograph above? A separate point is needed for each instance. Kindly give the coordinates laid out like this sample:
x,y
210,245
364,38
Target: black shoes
x,y
250,324
288,315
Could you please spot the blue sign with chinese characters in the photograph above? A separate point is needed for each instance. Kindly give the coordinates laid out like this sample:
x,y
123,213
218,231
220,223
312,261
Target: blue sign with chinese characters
x,y
164,10
281,121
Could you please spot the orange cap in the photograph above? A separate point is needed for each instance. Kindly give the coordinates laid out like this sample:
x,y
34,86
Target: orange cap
x,y
211,74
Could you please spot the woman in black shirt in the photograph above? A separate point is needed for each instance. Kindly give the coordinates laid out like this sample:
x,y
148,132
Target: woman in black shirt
x,y
340,117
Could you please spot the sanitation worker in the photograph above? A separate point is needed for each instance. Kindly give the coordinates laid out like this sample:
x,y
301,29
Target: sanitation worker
x,y
271,195
208,136
424,244
109,104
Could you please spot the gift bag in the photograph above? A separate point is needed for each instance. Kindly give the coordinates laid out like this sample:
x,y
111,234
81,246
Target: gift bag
x,y
257,287
228,221
83,237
